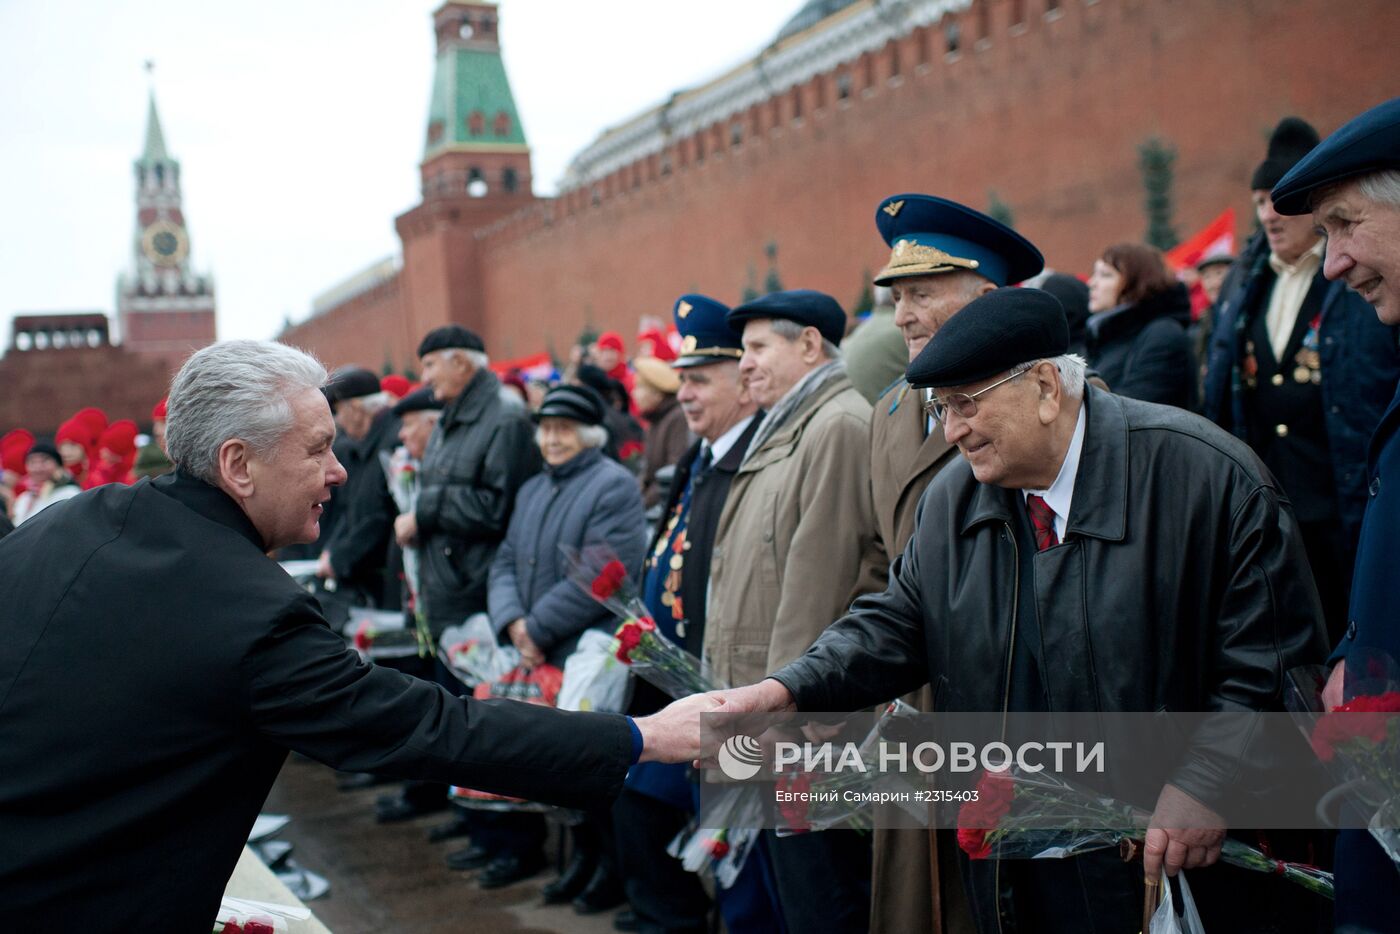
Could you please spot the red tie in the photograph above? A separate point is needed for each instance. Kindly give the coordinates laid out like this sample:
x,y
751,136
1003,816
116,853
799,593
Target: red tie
x,y
1043,520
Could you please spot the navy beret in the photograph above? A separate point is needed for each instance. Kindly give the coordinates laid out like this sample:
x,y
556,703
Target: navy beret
x,y
579,403
450,336
1368,143
806,307
929,236
420,400
350,382
705,337
990,335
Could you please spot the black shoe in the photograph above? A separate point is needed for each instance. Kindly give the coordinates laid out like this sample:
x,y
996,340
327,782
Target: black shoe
x,y
604,892
356,781
627,920
508,870
457,827
471,857
572,880
391,809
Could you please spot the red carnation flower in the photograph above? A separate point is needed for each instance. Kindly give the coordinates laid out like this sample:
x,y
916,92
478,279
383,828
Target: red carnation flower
x,y
628,638
609,579
646,624
973,841
1365,719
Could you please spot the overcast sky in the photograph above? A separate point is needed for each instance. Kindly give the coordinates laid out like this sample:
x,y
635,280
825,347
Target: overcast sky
x,y
298,126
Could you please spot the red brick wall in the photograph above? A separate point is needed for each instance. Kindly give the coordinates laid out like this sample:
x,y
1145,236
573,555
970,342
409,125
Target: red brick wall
x,y
42,388
367,330
1048,115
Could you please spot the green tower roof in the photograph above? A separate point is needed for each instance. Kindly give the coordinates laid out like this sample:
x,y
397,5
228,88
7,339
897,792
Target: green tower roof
x,y
155,139
472,107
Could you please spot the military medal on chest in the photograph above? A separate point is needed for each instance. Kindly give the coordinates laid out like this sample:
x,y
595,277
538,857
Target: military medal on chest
x,y
1308,359
671,548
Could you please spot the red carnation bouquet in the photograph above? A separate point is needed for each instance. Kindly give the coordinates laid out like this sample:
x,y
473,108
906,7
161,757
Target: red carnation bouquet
x,y
597,571
1359,740
1023,815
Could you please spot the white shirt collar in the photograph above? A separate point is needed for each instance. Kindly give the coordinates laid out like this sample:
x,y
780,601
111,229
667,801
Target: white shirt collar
x,y
726,441
1061,492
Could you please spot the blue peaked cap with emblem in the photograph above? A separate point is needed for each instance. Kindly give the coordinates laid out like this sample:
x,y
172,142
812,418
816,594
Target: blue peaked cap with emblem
x,y
705,337
929,236
1369,142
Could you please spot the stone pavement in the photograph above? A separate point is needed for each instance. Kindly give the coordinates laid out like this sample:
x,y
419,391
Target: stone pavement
x,y
387,879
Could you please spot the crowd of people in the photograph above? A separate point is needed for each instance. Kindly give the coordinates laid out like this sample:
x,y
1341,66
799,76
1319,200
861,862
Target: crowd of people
x,y
1187,491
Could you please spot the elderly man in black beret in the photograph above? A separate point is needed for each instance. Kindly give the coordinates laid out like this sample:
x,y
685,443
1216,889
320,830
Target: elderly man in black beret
x,y
1351,185
795,535
482,449
1088,553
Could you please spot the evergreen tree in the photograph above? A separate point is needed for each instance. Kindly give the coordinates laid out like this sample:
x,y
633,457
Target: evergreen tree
x,y
750,286
999,210
1155,160
865,301
771,282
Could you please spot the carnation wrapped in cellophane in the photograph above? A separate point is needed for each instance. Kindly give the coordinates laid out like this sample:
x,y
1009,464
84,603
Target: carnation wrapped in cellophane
x,y
596,570
1024,815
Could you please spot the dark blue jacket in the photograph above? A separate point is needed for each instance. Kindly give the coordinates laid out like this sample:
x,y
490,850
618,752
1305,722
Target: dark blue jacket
x,y
1360,368
587,500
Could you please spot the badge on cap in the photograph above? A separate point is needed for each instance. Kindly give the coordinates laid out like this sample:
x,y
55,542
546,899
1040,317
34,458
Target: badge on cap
x,y
683,309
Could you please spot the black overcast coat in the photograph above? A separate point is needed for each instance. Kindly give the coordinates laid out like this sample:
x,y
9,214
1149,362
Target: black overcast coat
x,y
156,666
360,546
1142,350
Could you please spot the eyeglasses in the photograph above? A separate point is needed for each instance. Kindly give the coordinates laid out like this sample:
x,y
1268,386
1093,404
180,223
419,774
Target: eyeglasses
x,y
965,404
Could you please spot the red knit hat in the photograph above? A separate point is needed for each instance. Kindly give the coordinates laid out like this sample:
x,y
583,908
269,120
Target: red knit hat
x,y
77,431
95,419
612,340
660,346
14,447
396,385
158,413
120,439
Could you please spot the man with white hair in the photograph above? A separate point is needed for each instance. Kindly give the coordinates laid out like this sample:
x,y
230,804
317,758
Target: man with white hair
x,y
157,665
1067,563
1351,184
357,554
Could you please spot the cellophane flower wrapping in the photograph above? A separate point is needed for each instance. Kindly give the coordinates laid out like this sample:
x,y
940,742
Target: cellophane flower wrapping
x,y
1025,815
597,571
818,814
401,474
1358,741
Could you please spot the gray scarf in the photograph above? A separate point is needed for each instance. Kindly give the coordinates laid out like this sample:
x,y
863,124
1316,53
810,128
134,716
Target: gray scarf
x,y
793,400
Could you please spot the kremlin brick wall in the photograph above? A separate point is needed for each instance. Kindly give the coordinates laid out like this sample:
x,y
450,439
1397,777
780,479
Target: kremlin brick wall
x,y
1048,114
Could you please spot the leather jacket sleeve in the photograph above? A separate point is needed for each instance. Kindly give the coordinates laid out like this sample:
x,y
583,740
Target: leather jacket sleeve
x,y
479,508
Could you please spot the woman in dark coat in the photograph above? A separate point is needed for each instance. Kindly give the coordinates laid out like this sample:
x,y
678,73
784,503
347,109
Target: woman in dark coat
x,y
581,498
1136,337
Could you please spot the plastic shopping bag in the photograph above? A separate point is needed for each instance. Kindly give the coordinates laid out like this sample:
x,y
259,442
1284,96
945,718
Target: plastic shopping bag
x,y
1176,915
473,652
593,677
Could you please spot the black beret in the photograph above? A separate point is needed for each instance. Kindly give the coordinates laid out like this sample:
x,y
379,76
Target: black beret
x,y
990,335
47,448
451,336
806,307
1367,143
350,382
576,402
1291,140
420,400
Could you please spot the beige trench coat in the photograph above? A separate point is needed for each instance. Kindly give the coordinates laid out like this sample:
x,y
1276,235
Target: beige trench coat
x,y
796,540
915,884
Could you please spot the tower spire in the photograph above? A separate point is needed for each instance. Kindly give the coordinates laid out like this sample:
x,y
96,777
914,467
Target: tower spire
x,y
155,139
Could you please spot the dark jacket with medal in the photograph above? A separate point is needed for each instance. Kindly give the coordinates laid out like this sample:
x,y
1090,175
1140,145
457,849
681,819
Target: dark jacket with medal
x,y
156,668
1311,413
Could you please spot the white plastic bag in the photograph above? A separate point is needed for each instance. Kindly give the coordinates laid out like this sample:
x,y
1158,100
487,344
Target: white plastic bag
x,y
1172,918
473,652
593,677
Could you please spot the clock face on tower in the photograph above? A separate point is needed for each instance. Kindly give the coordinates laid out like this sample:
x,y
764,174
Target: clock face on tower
x,y
165,244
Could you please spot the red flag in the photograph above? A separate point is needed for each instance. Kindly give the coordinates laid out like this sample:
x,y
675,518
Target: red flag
x,y
1215,239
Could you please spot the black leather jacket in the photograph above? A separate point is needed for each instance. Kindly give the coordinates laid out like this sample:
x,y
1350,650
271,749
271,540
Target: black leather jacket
x,y
1182,584
479,454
